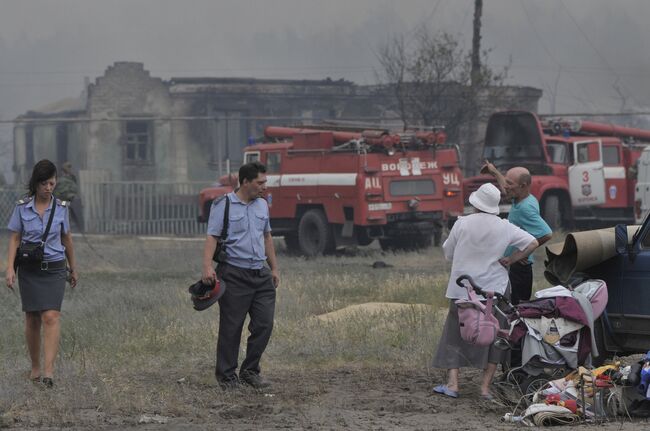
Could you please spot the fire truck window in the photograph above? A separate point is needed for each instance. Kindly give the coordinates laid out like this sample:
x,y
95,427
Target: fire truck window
x,y
251,157
583,154
611,156
588,152
273,163
412,187
557,152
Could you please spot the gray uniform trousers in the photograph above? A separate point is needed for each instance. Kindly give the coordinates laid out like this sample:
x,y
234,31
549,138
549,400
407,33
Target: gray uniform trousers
x,y
248,291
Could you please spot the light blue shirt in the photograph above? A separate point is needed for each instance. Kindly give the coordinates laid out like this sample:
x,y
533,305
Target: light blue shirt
x,y
247,224
26,221
525,214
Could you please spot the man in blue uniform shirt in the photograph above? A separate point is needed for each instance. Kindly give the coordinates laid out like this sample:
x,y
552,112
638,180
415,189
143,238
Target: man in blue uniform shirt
x,y
524,213
250,286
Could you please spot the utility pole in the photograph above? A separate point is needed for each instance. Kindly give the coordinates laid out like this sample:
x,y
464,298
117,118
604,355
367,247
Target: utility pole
x,y
476,43
472,149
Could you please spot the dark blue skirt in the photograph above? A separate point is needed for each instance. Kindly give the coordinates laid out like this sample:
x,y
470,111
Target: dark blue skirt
x,y
41,290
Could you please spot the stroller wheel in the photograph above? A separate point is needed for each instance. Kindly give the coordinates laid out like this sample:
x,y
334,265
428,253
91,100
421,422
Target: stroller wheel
x,y
531,384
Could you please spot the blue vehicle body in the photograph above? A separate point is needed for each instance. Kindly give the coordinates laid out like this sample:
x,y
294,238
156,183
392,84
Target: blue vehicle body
x,y
625,326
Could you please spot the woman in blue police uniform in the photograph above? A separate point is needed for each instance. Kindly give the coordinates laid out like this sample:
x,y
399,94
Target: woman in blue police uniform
x,y
42,284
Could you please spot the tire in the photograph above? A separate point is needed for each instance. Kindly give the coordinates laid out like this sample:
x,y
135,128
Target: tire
x,y
551,212
406,243
315,234
437,238
362,237
387,244
291,241
531,384
421,242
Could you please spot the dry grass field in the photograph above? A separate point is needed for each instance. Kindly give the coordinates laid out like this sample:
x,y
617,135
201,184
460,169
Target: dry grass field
x,y
135,354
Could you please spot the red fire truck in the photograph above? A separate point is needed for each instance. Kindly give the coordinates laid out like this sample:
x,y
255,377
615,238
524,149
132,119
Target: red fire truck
x,y
583,172
333,188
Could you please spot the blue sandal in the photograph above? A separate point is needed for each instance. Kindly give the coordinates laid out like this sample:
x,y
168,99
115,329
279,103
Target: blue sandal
x,y
444,390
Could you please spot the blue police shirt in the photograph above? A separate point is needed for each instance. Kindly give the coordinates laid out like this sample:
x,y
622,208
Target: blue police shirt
x,y
525,214
247,224
26,221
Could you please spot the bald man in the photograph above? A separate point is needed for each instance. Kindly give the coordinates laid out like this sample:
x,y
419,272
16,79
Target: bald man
x,y
524,213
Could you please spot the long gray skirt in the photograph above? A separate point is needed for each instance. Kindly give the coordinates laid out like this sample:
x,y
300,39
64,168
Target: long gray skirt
x,y
41,290
453,352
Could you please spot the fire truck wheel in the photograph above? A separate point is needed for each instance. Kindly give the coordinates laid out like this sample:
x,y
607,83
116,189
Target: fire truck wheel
x,y
552,212
437,237
406,243
363,238
387,244
315,234
291,241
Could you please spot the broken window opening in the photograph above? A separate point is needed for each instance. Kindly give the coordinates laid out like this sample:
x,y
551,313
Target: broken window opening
x,y
138,145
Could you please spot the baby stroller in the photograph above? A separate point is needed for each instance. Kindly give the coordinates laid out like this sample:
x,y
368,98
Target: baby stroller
x,y
553,332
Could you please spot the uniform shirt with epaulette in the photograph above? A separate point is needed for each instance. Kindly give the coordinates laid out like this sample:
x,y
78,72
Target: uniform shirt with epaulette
x,y
247,224
28,223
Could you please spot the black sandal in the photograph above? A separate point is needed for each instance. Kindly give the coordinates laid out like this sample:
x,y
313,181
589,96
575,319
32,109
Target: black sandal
x,y
36,380
47,382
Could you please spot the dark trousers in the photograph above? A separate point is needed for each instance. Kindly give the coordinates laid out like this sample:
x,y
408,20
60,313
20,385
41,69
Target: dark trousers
x,y
521,282
247,292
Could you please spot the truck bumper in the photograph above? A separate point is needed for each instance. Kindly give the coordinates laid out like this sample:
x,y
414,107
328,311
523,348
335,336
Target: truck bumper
x,y
413,224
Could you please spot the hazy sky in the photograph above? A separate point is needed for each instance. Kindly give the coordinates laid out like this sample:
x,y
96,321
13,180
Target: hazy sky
x,y
595,50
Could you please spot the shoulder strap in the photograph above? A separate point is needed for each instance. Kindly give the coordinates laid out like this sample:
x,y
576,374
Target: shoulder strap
x,y
224,229
49,221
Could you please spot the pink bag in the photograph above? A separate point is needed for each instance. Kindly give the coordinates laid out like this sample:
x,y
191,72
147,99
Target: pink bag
x,y
478,325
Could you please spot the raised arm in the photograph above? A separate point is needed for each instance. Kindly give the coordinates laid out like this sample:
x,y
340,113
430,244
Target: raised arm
x,y
492,170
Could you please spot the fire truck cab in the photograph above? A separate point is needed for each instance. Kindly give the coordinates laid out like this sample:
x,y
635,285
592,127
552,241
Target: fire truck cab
x,y
333,188
580,169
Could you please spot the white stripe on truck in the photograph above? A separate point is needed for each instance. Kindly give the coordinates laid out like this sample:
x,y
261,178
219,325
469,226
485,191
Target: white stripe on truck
x,y
299,180
614,172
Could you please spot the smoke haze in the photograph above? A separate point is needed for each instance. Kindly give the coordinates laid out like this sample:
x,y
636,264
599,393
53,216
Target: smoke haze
x,y
587,55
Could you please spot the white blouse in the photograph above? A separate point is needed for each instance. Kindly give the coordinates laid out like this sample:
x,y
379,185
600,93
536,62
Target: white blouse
x,y
475,245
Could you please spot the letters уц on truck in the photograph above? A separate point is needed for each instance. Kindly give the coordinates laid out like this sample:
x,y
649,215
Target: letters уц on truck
x,y
332,188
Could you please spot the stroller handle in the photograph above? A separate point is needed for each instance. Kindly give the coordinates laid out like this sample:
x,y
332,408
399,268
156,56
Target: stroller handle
x,y
465,277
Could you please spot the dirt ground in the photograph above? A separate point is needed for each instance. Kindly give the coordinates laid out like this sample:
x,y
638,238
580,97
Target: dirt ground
x,y
338,399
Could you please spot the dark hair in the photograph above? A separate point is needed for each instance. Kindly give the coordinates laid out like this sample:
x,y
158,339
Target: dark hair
x,y
43,171
250,171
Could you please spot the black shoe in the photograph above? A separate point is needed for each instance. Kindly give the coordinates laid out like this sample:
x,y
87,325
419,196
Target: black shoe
x,y
230,383
47,382
254,380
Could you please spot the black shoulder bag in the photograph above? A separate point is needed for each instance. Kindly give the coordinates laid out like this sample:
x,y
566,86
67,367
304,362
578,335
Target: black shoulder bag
x,y
33,252
220,251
